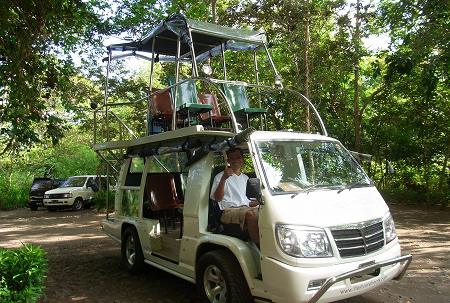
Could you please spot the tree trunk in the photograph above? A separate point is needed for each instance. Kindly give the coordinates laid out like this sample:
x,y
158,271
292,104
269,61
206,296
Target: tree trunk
x,y
307,64
357,114
444,177
214,10
443,173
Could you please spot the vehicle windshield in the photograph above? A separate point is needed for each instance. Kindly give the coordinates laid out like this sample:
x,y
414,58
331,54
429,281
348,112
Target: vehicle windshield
x,y
41,184
74,182
297,166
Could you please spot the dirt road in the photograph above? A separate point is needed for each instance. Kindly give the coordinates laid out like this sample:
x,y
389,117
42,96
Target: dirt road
x,y
84,264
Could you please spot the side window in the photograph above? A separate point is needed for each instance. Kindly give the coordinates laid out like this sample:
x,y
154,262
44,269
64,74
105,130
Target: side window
x,y
89,182
48,185
219,164
134,174
102,183
130,190
165,183
175,162
247,167
130,203
137,165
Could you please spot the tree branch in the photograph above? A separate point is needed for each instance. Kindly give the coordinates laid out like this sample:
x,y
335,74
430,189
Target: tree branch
x,y
8,146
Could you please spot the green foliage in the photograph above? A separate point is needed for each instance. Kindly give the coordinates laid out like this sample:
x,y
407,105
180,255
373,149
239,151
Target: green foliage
x,y
71,157
36,38
414,197
403,104
22,274
14,188
100,197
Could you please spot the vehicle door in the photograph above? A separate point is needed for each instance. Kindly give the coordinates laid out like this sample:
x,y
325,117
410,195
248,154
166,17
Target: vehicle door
x,y
162,207
90,187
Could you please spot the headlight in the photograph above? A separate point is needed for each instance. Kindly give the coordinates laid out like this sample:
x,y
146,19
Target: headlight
x,y
389,229
303,242
67,195
46,196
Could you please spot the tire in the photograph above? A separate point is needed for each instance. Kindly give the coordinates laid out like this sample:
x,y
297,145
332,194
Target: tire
x,y
51,208
220,279
77,204
132,257
34,207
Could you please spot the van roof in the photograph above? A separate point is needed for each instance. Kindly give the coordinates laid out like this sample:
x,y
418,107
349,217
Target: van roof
x,y
193,136
87,176
288,135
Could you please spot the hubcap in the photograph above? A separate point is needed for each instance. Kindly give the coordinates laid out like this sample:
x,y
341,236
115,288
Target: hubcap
x,y
130,250
214,284
77,204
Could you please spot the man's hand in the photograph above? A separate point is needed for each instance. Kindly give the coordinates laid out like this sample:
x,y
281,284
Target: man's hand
x,y
228,172
253,203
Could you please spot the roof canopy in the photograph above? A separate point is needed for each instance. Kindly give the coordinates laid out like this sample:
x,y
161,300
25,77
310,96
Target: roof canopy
x,y
207,38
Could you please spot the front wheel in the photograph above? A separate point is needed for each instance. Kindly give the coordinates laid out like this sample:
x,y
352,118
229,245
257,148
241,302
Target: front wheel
x,y
132,257
77,204
220,279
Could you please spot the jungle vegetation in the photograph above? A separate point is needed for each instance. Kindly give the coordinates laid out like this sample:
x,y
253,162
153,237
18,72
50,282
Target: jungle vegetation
x,y
390,101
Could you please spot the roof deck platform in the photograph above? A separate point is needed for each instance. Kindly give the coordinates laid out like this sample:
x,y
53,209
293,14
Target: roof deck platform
x,y
180,139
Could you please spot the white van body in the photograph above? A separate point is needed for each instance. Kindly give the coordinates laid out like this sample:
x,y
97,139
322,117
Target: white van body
x,y
325,232
76,192
272,274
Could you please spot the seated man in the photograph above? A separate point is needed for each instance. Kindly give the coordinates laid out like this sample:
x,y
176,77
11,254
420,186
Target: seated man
x,y
228,190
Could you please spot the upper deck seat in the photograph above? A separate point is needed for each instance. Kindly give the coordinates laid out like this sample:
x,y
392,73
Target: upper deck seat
x,y
214,116
237,96
161,110
186,99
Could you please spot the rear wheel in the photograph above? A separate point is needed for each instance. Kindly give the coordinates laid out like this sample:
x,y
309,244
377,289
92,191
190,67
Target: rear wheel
x,y
220,279
132,257
77,204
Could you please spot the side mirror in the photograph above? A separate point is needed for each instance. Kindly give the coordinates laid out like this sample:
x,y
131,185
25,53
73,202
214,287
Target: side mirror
x,y
253,190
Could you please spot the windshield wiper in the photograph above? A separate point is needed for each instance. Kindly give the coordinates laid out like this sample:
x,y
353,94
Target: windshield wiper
x,y
354,185
307,190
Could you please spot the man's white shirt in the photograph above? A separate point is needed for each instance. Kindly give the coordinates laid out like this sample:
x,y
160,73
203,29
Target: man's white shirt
x,y
234,190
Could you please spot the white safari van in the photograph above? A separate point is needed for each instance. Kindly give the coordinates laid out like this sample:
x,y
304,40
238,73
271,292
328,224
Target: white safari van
x,y
325,232
76,192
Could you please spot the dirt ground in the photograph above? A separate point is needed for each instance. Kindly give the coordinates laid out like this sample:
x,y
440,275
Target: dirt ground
x,y
84,264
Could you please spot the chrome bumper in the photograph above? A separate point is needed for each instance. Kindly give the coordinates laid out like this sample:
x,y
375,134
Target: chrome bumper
x,y
361,271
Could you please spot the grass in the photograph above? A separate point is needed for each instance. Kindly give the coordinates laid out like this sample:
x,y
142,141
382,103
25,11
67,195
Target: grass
x,y
22,274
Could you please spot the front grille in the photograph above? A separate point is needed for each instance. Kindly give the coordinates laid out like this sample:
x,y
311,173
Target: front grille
x,y
36,198
56,196
359,241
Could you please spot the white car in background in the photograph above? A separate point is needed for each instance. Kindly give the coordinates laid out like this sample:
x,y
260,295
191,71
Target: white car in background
x,y
76,192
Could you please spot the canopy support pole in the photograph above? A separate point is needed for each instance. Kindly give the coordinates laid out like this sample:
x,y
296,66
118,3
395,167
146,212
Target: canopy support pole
x,y
277,75
223,63
255,63
150,88
105,102
177,76
194,61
